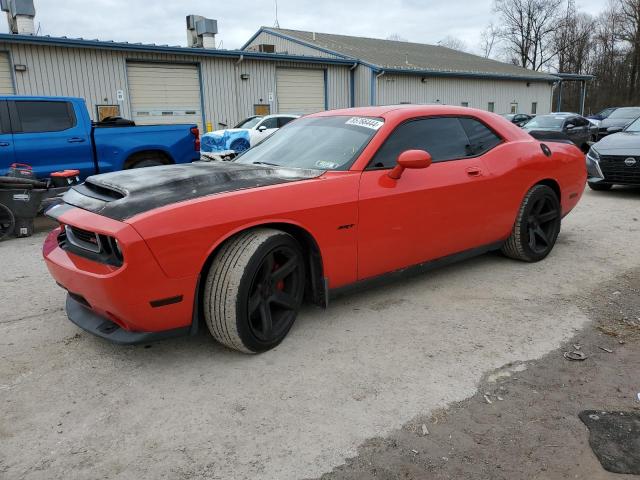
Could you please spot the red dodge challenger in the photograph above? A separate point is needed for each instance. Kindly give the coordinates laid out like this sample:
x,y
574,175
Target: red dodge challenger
x,y
332,200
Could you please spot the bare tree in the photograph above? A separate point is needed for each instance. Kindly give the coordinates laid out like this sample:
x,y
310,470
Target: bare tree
x,y
630,33
397,38
572,40
528,30
488,40
453,43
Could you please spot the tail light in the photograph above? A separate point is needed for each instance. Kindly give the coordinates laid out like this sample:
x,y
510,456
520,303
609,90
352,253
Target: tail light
x,y
196,133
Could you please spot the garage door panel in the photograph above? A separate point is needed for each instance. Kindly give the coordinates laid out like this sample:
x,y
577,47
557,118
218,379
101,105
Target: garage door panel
x,y
6,81
164,94
300,90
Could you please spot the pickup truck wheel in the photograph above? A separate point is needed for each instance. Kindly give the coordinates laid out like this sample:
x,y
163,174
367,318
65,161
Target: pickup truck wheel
x,y
7,221
537,226
254,290
147,163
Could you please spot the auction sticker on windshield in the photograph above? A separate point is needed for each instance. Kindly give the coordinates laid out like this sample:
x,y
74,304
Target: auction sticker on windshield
x,y
371,123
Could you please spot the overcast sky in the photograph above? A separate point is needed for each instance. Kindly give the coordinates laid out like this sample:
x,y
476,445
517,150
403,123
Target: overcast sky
x,y
163,22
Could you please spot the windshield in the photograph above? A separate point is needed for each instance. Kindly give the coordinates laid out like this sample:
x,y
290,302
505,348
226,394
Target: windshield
x,y
624,113
545,122
321,143
248,122
634,127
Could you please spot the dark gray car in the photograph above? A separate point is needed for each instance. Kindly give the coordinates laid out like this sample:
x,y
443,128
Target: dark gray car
x,y
576,128
615,160
620,118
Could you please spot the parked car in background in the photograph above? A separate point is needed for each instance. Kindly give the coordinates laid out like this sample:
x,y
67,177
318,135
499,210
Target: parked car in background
x,y
56,133
518,119
602,114
576,128
333,199
246,134
618,120
615,160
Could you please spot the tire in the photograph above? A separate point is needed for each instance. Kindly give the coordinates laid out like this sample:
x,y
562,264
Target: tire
x,y
147,160
537,226
254,290
7,221
600,187
239,145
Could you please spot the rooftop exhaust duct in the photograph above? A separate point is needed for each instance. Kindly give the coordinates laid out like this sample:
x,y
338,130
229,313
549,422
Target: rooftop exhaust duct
x,y
201,32
20,14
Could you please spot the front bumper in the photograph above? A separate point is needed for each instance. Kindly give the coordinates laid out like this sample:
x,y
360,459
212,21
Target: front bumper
x,y
138,296
87,319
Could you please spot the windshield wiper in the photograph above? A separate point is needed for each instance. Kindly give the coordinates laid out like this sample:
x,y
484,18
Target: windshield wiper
x,y
267,163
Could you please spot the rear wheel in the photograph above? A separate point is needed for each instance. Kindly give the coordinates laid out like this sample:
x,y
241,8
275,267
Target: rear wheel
x,y
143,160
254,290
7,221
537,226
600,187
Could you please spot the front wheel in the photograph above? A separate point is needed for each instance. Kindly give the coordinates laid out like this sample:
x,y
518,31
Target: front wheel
x,y
537,226
254,290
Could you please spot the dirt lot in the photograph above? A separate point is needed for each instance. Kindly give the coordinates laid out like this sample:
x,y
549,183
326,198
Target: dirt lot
x,y
349,390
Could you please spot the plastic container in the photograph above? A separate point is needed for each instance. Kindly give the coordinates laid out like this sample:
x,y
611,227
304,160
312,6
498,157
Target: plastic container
x,y
23,204
65,178
21,170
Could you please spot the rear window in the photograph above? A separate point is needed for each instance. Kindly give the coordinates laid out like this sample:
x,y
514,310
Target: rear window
x,y
44,116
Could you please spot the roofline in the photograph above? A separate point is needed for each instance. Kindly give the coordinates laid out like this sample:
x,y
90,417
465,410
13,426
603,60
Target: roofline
x,y
479,75
432,73
294,40
575,76
138,47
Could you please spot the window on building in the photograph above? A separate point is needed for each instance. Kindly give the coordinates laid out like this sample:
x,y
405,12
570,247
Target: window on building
x,y
491,107
443,138
45,116
534,108
465,104
514,108
481,138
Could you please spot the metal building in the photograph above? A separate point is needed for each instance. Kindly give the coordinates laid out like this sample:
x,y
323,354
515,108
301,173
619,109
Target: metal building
x,y
391,72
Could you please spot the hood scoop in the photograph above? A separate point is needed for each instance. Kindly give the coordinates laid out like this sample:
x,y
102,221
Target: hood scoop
x,y
121,195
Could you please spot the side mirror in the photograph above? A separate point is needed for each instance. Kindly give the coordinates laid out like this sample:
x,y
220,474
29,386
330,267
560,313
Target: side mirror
x,y
262,128
569,126
410,159
614,129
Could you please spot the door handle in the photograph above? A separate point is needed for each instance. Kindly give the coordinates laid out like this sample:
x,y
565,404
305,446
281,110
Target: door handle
x,y
75,140
4,144
474,171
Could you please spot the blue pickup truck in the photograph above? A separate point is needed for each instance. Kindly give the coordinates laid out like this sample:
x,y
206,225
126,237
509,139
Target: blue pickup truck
x,y
56,133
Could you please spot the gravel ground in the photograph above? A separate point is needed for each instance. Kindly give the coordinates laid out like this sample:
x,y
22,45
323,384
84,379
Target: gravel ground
x,y
73,406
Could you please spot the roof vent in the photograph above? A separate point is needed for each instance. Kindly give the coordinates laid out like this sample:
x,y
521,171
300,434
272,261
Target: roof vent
x,y
20,14
201,32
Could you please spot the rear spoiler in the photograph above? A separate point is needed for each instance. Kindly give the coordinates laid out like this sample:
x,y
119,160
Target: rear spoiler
x,y
547,136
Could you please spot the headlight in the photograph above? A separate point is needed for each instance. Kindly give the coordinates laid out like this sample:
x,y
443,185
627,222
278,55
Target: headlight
x,y
593,154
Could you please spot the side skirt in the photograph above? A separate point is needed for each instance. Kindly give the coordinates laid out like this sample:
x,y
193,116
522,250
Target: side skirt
x,y
387,278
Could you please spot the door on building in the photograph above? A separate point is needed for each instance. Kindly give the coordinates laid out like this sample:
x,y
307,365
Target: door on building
x,y
423,217
300,90
6,79
6,139
162,94
52,123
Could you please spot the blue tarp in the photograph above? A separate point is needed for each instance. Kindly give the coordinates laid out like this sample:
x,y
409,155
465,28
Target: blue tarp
x,y
221,141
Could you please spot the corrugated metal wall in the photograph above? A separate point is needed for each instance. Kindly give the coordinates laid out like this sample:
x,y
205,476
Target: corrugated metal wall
x,y
96,75
283,45
6,79
362,80
394,89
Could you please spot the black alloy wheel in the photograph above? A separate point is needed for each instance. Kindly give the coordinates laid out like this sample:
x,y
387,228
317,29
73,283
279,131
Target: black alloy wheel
x,y
543,224
275,293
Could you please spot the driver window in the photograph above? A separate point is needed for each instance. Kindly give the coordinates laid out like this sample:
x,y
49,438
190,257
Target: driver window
x,y
444,138
270,123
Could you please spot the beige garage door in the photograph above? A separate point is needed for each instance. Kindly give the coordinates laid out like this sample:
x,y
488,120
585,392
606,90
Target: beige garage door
x,y
6,82
300,90
164,93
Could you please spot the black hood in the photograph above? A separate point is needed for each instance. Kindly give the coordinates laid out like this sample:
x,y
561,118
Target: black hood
x,y
121,195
